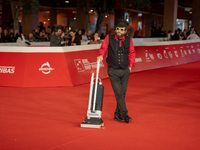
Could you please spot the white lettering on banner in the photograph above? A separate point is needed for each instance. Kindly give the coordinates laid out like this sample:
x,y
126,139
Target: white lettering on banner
x,y
192,46
193,50
198,50
170,54
165,54
159,55
176,53
182,53
149,56
7,69
84,64
138,60
189,51
45,68
185,52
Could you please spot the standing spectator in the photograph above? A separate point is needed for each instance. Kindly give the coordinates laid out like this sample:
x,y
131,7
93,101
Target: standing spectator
x,y
102,36
193,36
11,31
84,36
176,35
54,28
41,27
74,40
12,38
184,35
170,35
161,33
79,34
1,35
20,28
33,31
57,37
95,39
191,30
37,34
89,35
49,30
139,33
130,32
6,36
41,37
30,38
153,31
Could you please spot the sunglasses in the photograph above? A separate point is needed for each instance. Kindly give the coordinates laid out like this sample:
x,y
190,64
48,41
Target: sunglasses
x,y
121,29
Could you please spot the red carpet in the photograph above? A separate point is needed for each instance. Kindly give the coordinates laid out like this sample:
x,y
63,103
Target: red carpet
x,y
164,104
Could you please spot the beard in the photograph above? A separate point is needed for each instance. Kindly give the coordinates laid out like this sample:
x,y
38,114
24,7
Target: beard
x,y
120,36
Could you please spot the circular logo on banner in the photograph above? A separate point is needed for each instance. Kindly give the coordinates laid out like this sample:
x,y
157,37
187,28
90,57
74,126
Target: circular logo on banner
x,y
45,68
159,55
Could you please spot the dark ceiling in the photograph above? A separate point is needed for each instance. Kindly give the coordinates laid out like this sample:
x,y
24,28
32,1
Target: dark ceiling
x,y
183,3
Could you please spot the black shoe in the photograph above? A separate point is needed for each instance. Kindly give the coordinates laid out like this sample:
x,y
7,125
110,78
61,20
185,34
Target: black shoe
x,y
127,118
118,118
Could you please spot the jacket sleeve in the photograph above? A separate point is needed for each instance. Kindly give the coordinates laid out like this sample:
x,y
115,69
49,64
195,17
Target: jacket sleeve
x,y
131,54
104,46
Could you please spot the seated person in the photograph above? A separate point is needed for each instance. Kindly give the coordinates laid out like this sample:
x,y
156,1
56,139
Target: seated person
x,y
21,39
57,37
12,38
176,35
30,38
74,40
41,37
95,39
6,36
192,36
84,36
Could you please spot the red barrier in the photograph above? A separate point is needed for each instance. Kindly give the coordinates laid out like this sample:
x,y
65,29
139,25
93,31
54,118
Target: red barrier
x,y
69,66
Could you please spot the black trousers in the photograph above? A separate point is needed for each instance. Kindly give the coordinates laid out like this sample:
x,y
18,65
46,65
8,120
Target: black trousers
x,y
119,80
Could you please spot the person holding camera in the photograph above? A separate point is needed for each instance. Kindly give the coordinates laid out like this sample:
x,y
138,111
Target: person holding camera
x,y
57,37
95,39
74,40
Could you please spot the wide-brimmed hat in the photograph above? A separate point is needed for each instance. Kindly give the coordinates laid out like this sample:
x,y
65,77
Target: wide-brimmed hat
x,y
122,23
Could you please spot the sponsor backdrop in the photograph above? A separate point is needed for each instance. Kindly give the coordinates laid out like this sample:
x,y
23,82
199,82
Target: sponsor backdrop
x,y
73,67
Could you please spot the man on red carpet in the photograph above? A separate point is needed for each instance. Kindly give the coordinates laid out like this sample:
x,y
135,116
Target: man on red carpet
x,y
120,59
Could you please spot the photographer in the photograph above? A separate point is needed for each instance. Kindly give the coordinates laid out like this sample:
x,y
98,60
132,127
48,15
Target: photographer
x,y
57,37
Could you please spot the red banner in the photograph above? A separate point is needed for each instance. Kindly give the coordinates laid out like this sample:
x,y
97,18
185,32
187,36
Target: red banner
x,y
73,67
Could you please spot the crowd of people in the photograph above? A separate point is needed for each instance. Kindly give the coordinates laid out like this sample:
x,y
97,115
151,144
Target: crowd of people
x,y
185,35
76,37
44,35
177,35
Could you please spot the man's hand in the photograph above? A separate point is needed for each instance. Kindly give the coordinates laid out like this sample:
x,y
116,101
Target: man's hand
x,y
129,69
63,34
100,57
